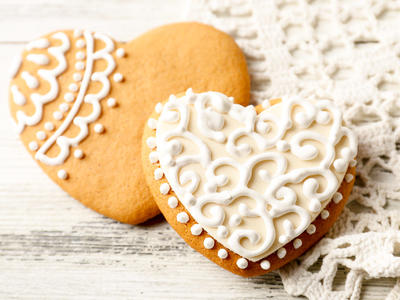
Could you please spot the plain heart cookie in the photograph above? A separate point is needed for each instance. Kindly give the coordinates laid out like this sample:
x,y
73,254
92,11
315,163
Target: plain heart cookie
x,y
249,188
80,101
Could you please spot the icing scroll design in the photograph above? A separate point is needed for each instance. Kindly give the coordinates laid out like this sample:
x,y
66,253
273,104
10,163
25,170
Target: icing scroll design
x,y
209,112
64,142
51,77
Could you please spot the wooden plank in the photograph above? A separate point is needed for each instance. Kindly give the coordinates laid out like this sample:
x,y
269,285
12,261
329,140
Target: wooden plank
x,y
22,20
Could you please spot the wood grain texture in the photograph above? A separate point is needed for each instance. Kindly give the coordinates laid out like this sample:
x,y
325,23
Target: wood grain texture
x,y
52,247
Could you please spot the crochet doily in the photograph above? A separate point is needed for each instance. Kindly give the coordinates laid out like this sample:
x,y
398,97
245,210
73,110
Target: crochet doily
x,y
349,52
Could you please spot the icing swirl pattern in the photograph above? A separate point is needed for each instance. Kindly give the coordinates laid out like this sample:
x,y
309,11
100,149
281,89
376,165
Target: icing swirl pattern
x,y
253,181
88,85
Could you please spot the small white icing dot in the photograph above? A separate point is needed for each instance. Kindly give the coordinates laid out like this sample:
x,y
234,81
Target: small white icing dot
x,y
58,115
80,55
189,199
152,123
235,220
158,174
311,229
281,253
242,263
353,163
153,156
196,229
172,202
182,217
164,188
222,253
73,87
77,33
222,231
62,174
98,128
282,146
348,178
209,243
49,126
118,77
159,107
297,243
80,43
33,146
41,135
80,65
265,264
151,142
340,165
77,76
69,97
325,214
78,153
120,52
64,107
337,197
111,102
266,104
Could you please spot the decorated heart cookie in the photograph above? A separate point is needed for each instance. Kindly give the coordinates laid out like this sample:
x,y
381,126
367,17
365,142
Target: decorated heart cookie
x,y
250,188
80,101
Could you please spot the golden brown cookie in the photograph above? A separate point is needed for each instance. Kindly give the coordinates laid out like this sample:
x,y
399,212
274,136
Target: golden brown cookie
x,y
80,101
249,188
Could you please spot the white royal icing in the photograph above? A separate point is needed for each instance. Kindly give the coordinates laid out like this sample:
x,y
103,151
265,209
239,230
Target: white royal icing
x,y
222,253
118,77
41,43
17,96
15,66
158,174
39,59
30,80
111,102
49,126
78,153
237,166
196,229
82,123
265,264
208,243
337,197
242,263
62,174
281,253
120,52
172,202
98,128
297,243
51,77
182,217
324,214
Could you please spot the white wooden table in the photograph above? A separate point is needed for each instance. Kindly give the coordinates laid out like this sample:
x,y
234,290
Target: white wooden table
x,y
52,247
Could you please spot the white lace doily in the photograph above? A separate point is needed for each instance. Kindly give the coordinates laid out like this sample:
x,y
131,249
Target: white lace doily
x,y
347,51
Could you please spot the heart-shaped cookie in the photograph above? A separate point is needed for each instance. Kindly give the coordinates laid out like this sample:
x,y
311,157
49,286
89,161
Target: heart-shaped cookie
x,y
250,188
80,101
